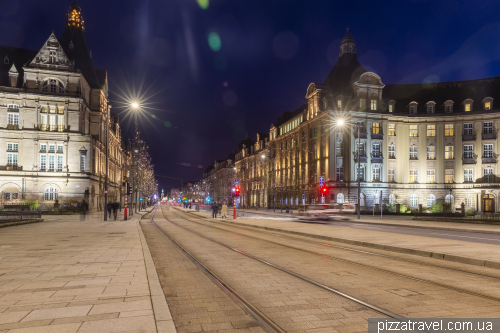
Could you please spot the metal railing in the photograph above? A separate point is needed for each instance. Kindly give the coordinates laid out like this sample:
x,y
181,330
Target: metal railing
x,y
10,216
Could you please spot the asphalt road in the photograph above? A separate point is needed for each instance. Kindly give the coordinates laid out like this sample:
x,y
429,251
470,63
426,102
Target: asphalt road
x,y
467,236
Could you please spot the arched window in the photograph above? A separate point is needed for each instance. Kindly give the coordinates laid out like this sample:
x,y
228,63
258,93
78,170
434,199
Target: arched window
x,y
362,200
449,199
340,198
50,193
413,200
392,199
55,86
431,200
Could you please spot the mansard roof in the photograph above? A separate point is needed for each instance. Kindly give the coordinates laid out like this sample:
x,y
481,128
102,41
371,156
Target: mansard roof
x,y
344,73
19,57
247,142
456,91
287,115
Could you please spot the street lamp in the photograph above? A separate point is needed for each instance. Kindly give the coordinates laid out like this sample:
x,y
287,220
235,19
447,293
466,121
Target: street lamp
x,y
340,123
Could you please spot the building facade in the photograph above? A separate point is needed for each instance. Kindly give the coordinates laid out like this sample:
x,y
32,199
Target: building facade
x,y
418,144
53,112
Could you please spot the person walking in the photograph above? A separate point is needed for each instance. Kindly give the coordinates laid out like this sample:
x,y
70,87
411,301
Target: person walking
x,y
83,211
214,210
109,208
115,209
224,211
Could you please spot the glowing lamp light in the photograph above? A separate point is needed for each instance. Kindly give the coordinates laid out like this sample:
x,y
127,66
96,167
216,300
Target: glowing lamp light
x,y
340,122
135,105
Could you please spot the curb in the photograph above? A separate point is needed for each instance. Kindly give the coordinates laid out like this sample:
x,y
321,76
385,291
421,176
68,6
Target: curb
x,y
163,317
391,248
11,224
409,225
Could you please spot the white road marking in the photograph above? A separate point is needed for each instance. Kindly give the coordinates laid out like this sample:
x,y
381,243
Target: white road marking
x,y
436,233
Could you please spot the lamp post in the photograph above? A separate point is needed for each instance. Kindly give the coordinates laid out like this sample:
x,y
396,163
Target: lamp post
x,y
341,123
107,167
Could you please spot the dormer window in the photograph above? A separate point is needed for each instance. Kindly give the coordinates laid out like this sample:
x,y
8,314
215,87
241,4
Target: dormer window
x,y
391,105
55,86
468,105
488,103
6,60
339,104
413,108
430,107
373,105
71,45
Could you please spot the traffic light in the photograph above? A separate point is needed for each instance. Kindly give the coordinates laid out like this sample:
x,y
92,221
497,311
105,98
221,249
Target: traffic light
x,y
237,192
323,191
129,189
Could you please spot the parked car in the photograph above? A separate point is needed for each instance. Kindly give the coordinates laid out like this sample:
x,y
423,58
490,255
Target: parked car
x,y
323,212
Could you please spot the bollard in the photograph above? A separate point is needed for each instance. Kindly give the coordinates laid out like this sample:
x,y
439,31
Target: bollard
x,y
234,212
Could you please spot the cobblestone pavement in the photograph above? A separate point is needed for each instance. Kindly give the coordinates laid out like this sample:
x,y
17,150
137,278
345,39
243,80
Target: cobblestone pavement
x,y
67,276
268,289
197,304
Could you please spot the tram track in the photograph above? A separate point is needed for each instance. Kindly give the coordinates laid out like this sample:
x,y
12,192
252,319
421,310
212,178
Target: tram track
x,y
351,298
461,290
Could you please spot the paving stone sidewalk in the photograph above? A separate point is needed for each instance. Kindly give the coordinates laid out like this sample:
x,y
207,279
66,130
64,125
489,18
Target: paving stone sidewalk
x,y
65,275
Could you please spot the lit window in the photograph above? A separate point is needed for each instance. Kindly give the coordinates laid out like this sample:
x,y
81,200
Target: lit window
x,y
413,200
468,175
339,104
361,173
15,195
362,103
7,196
392,151
467,106
413,152
376,174
339,148
488,150
431,152
391,173
448,130
340,198
449,199
448,153
376,128
449,176
373,105
431,200
487,105
431,176
391,107
431,130
468,153
60,110
391,129
392,199
469,202
413,176
413,130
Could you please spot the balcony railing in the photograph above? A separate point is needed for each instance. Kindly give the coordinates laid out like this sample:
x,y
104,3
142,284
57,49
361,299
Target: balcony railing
x,y
12,149
362,133
413,157
60,128
469,158
392,156
490,159
13,126
489,136
377,134
469,136
377,157
11,167
51,128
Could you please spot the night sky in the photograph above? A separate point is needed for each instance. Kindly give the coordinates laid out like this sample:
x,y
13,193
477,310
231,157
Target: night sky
x,y
220,72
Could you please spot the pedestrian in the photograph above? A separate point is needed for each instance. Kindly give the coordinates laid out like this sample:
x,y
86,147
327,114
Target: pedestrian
x,y
214,210
109,208
115,209
224,211
83,211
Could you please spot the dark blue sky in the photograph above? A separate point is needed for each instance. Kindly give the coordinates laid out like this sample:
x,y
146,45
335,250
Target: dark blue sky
x,y
270,51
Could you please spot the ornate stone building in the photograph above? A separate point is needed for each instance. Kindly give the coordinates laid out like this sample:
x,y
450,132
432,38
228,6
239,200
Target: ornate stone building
x,y
418,143
53,112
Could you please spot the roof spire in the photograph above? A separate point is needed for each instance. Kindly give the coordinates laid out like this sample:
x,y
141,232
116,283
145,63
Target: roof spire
x,y
75,18
348,45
